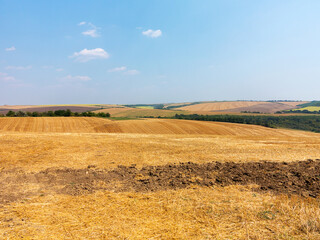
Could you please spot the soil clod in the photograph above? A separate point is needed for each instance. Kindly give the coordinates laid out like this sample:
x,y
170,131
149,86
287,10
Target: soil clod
x,y
301,178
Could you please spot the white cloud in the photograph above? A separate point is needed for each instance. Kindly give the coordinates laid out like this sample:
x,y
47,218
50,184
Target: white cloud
x,y
18,67
4,77
132,72
117,69
92,33
70,78
86,55
59,69
10,49
152,33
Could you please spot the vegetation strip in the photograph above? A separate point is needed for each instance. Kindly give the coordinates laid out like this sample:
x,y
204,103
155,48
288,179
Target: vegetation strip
x,y
306,123
301,178
57,113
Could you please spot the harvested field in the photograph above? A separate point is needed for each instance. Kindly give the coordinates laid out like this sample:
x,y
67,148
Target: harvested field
x,y
142,126
51,124
269,107
218,106
39,151
70,178
237,107
113,111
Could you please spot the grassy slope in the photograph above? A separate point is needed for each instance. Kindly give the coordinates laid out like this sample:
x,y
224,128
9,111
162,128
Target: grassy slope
x,y
311,108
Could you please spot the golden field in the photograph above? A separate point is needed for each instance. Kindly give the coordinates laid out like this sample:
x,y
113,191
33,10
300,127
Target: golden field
x,y
216,106
240,106
31,145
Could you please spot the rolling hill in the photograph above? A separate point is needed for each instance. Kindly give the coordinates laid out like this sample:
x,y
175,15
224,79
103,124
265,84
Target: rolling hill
x,y
143,126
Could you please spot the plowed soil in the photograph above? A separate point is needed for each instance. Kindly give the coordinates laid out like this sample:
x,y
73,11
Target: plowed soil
x,y
301,178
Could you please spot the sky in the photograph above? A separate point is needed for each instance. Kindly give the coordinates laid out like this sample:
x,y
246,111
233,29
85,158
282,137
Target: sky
x,y
158,51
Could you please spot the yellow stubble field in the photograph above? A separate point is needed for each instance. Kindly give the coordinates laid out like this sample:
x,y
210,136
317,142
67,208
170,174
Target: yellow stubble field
x,y
233,212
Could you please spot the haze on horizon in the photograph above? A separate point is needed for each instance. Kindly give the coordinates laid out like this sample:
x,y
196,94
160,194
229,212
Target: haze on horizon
x,y
152,51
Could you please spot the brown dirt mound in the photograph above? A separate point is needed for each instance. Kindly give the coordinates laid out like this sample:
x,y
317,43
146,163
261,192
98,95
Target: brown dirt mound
x,y
301,178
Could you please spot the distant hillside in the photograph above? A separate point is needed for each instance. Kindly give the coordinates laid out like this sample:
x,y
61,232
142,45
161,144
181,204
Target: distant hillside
x,y
241,106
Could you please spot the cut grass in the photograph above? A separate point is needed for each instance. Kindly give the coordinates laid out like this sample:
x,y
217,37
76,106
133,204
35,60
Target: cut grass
x,y
38,151
233,212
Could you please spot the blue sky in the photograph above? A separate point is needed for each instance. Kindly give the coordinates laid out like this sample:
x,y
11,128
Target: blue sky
x,y
152,51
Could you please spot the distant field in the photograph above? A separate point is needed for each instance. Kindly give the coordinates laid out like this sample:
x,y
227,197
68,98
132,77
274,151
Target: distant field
x,y
51,124
218,106
311,109
137,113
114,111
294,104
145,107
241,106
73,108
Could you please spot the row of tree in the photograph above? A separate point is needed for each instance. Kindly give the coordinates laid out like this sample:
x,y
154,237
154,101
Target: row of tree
x,y
300,111
57,113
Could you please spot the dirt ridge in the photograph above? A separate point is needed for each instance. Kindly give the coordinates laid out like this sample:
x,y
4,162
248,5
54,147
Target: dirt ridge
x,y
300,177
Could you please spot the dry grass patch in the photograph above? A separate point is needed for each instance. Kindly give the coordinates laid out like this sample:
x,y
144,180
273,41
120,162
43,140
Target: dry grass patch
x,y
197,213
39,151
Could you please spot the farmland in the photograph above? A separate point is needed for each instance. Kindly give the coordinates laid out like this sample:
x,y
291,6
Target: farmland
x,y
95,178
311,109
240,106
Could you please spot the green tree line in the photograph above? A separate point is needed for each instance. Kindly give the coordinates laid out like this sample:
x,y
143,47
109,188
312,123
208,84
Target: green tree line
x,y
57,113
307,123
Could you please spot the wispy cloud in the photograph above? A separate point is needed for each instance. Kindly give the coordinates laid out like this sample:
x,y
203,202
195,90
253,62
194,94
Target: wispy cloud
x,y
18,67
59,69
118,69
92,31
152,33
4,77
86,55
132,72
10,49
70,78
